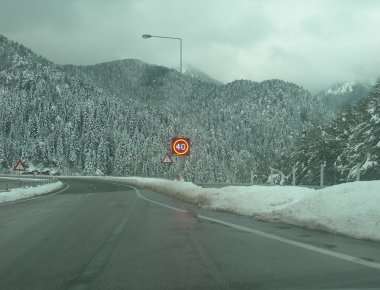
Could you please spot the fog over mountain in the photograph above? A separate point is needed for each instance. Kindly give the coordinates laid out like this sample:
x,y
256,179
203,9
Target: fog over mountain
x,y
344,94
312,43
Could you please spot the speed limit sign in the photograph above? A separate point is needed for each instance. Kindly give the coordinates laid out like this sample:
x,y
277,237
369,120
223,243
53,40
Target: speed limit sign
x,y
180,146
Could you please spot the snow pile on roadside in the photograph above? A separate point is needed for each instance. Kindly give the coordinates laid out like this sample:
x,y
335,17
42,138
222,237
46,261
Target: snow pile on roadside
x,y
32,179
20,193
186,191
254,200
246,200
352,209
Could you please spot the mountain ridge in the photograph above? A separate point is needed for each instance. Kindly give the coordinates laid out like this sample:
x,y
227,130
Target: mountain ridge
x,y
118,118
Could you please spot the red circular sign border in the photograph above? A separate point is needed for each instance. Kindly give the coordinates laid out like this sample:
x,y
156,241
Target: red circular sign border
x,y
187,147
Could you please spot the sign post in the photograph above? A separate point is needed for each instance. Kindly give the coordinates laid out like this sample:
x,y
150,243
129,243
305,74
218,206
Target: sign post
x,y
294,170
180,147
322,177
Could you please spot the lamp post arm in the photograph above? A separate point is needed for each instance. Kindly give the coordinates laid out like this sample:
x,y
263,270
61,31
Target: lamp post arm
x,y
169,37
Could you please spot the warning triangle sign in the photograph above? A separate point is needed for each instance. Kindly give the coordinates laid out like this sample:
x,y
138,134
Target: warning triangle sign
x,y
19,166
167,159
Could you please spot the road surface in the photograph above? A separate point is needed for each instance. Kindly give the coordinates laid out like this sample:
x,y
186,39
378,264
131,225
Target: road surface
x,y
101,235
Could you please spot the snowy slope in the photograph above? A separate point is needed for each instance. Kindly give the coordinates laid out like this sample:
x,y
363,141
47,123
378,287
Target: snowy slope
x,y
343,88
21,193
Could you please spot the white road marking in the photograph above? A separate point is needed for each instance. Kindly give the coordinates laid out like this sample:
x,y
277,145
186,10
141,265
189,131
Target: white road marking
x,y
337,255
140,195
341,256
159,203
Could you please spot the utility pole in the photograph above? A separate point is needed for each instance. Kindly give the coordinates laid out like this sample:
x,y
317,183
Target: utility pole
x,y
180,54
323,165
294,176
181,163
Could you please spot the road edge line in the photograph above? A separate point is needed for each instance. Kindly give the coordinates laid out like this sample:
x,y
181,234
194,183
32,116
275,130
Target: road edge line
x,y
141,196
290,242
305,246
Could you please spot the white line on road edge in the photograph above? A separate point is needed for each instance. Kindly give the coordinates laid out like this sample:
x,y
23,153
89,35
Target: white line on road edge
x,y
341,256
139,195
159,203
309,247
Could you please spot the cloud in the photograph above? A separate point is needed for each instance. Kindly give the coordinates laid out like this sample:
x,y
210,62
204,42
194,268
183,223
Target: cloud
x,y
312,43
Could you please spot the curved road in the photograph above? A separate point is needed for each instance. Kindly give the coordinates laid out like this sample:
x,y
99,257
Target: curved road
x,y
103,235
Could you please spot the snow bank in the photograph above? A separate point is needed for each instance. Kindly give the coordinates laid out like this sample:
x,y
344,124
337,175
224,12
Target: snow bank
x,y
186,191
19,193
352,209
247,200
253,200
23,179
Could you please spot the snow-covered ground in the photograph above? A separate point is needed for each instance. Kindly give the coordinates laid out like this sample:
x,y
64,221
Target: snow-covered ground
x,y
23,179
351,209
22,192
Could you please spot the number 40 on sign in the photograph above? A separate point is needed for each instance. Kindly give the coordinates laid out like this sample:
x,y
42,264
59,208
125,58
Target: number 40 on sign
x,y
180,146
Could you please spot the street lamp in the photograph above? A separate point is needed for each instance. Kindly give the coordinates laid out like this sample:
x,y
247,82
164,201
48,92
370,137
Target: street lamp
x,y
147,36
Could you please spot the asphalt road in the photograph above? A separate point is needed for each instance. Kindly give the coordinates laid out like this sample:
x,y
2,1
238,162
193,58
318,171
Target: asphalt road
x,y
98,235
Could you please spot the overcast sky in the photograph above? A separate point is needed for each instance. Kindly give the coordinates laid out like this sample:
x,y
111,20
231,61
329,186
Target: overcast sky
x,y
312,43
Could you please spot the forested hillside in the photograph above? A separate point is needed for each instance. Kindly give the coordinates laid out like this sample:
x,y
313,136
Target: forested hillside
x,y
340,95
350,145
118,117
